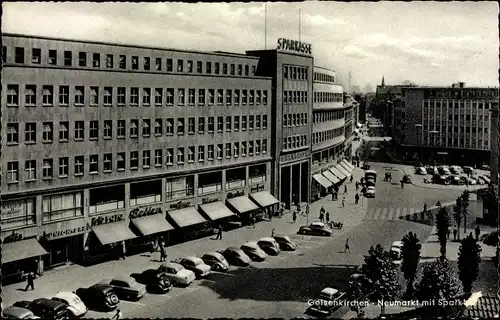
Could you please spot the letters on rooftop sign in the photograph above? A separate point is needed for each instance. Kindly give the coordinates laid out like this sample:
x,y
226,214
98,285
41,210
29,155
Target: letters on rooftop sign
x,y
293,45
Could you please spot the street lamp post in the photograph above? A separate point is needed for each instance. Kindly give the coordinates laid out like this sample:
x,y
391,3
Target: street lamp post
x,y
434,154
418,126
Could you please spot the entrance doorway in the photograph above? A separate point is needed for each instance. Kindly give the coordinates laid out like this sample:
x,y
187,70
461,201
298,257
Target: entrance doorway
x,y
285,186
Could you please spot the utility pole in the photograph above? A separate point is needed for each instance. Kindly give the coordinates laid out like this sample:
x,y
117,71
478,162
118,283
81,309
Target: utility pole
x,y
349,81
265,25
299,25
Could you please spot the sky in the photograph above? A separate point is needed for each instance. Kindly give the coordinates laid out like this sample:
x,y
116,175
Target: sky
x,y
427,43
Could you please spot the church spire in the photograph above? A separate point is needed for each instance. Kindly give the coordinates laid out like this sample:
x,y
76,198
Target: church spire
x,y
383,81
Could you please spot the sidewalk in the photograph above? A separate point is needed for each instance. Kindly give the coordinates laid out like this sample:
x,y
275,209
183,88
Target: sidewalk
x,y
71,277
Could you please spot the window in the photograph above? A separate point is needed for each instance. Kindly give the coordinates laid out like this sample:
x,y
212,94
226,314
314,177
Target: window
x,y
219,151
240,70
211,121
4,54
94,96
170,65
201,97
120,161
120,129
120,96
211,96
243,148
251,96
217,68
191,125
122,62
243,97
233,68
63,167
30,95
264,146
257,97
63,95
13,172
191,154
30,170
12,95
236,97
52,57
209,67
201,153
48,132
180,155
63,131
79,130
146,96
170,127
47,171
220,96
236,123
169,157
182,97
146,159
264,122
19,55
257,147
158,127
180,66
250,123
180,126
158,157
30,132
146,127
134,128
228,97
82,59
108,96
199,67
228,123
134,160
191,96
201,125
147,63
190,66
264,97
257,122
247,70
250,148
243,123
135,63
210,155
36,56
109,61
12,133
94,130
79,95
224,68
108,129
236,149
96,60
220,124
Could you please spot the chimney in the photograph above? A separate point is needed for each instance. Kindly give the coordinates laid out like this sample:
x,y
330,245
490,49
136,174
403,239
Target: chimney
x,y
461,84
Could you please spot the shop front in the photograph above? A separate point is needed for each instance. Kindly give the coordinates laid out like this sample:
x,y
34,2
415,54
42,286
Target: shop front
x,y
321,186
344,171
219,214
245,207
190,224
336,172
347,165
150,224
266,201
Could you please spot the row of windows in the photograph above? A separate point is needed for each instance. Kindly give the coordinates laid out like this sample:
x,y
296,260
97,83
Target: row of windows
x,y
146,128
290,96
328,116
323,77
108,162
295,119
321,97
136,96
295,72
456,117
319,137
457,104
293,142
460,93
462,130
124,62
458,143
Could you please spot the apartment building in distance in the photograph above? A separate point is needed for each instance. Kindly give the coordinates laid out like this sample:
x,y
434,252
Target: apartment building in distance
x,y
109,143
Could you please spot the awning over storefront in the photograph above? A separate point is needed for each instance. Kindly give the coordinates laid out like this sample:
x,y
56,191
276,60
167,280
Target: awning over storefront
x,y
19,250
216,210
322,180
264,198
152,224
242,204
337,173
186,217
113,232
330,176
348,164
345,171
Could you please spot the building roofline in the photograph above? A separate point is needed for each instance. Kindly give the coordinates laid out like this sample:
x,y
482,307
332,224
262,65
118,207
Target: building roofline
x,y
325,69
217,53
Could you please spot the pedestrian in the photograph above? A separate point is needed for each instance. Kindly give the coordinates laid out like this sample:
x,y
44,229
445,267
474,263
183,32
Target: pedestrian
x,y
352,178
272,233
152,247
163,254
357,186
219,232
425,207
308,209
30,277
448,234
322,210
343,202
402,184
123,250
118,315
253,220
321,216
345,188
346,248
294,216
298,207
477,231
327,217
455,231
356,198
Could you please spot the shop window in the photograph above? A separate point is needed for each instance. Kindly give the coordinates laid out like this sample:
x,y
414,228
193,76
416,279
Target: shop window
x,y
106,199
62,206
145,192
178,188
235,178
210,182
257,173
18,213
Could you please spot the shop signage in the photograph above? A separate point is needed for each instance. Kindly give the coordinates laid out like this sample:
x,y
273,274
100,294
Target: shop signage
x,y
293,45
235,194
106,219
66,232
142,212
209,200
257,188
294,156
180,205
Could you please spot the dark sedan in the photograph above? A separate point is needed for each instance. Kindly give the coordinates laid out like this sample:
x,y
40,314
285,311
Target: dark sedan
x,y
99,297
236,257
156,281
317,229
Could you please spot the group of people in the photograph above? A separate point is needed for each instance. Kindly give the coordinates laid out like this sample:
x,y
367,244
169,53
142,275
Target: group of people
x,y
158,244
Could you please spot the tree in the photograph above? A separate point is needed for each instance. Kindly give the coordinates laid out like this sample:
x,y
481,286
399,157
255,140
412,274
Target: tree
x,y
457,214
438,282
443,223
411,257
468,262
465,208
356,293
382,276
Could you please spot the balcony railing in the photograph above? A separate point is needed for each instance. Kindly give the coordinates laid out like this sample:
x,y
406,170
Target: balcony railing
x,y
210,188
235,184
108,206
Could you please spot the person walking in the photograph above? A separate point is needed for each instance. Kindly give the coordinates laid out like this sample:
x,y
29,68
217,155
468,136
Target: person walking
x,y
345,188
118,315
123,250
455,232
346,247
402,184
294,216
308,209
352,178
357,185
163,253
30,277
327,217
343,202
253,220
356,198
425,207
477,231
219,232
152,247
322,210
272,233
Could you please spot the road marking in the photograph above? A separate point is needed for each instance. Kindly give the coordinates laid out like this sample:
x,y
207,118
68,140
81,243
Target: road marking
x,y
379,213
404,212
398,214
392,213
134,302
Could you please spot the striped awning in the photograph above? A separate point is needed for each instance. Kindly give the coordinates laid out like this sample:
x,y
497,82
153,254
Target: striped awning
x,y
339,174
330,176
322,180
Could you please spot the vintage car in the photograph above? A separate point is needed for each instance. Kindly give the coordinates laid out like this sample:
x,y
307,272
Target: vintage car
x,y
75,305
45,308
236,257
18,313
327,301
456,180
455,169
156,281
216,261
316,228
440,179
444,170
177,274
99,297
468,169
253,251
126,288
270,246
396,249
406,179
195,264
421,171
366,166
485,167
285,243
370,192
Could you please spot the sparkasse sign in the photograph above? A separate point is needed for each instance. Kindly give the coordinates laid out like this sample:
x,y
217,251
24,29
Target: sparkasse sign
x,y
293,45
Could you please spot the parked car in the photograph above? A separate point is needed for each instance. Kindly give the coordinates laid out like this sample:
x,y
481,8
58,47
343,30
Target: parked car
x,y
18,313
126,288
470,181
216,261
45,308
195,264
440,179
156,281
396,248
456,180
444,171
99,297
366,166
75,305
270,246
370,192
325,303
285,243
485,167
177,274
468,169
433,170
236,257
316,228
406,178
253,251
421,171
455,169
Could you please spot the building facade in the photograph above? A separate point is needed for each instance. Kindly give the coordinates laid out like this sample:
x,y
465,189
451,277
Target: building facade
x,y
104,135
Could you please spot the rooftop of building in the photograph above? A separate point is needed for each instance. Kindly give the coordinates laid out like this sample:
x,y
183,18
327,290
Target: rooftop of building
x,y
323,68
